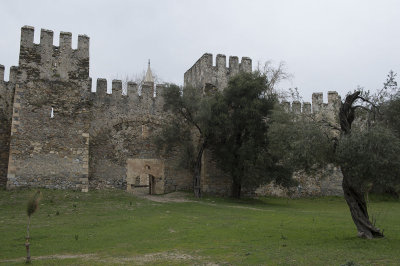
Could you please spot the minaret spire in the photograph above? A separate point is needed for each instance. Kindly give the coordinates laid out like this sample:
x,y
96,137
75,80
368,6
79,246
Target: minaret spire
x,y
149,75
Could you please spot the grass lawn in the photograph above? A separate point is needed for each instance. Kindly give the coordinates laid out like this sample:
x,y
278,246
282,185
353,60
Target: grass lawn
x,y
114,227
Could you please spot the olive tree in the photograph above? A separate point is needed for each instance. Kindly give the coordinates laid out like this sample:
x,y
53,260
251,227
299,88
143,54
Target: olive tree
x,y
364,143
187,129
239,136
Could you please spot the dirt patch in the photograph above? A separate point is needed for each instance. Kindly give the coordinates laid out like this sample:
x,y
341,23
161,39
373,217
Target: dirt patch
x,y
182,197
251,208
52,257
170,197
133,260
153,257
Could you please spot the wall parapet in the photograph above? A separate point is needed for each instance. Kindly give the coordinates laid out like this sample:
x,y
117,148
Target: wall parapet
x,y
47,61
57,130
317,105
47,38
13,74
135,97
204,72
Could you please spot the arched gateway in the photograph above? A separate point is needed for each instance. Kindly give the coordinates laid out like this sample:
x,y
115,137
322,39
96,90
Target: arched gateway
x,y
145,176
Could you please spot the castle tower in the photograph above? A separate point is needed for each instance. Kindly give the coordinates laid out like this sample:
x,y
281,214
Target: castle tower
x,y
49,145
203,74
7,89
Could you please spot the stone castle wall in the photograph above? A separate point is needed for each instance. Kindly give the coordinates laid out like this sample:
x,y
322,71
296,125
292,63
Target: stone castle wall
x,y
121,128
57,132
50,121
318,108
204,73
323,182
6,101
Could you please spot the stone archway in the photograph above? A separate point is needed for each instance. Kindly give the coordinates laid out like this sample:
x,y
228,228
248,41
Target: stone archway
x,y
145,176
115,140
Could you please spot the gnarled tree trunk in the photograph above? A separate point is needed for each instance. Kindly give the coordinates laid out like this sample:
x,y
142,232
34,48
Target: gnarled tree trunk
x,y
358,208
197,172
353,194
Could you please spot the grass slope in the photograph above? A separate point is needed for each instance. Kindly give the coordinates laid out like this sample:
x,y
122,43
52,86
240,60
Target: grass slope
x,y
113,227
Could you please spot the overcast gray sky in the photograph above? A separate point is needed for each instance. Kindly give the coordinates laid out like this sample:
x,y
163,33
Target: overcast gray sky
x,y
327,45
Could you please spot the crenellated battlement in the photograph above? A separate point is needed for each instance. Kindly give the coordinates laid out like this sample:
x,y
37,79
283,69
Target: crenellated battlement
x,y
101,87
12,78
317,106
146,99
58,132
131,91
47,39
13,74
47,61
116,88
7,89
131,88
205,73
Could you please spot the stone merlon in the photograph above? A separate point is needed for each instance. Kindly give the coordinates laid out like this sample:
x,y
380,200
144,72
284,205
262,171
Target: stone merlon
x,y
203,72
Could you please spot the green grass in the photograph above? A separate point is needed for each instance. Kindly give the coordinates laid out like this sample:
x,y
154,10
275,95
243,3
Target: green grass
x,y
115,227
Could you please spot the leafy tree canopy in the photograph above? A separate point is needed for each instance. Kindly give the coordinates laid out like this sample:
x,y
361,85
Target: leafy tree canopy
x,y
364,142
239,139
188,128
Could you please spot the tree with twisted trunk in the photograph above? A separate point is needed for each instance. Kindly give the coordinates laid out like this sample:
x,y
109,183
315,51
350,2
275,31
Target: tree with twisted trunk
x,y
366,147
352,190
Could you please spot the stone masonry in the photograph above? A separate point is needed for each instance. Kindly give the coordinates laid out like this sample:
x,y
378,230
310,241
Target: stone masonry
x,y
45,150
203,74
7,90
327,181
56,133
